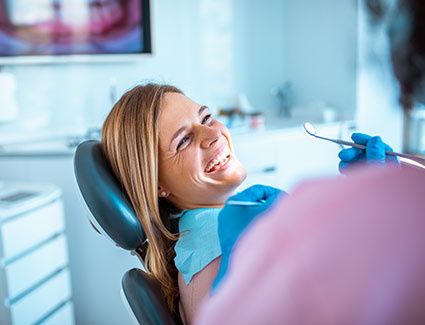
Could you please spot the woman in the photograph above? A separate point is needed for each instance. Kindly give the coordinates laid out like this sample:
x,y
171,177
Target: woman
x,y
173,158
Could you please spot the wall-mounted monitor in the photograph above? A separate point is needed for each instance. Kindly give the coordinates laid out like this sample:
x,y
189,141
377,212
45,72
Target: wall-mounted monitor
x,y
55,31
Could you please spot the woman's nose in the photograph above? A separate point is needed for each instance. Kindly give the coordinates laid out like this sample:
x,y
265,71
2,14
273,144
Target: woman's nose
x,y
209,136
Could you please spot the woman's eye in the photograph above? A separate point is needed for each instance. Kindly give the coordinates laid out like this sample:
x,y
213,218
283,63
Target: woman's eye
x,y
206,118
183,142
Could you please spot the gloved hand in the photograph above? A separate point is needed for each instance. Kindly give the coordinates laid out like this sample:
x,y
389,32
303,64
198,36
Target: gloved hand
x,y
374,153
233,219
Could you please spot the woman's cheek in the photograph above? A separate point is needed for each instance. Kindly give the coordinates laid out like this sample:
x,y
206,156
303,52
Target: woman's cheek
x,y
220,126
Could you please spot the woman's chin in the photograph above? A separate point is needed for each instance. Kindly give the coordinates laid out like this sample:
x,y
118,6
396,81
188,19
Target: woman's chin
x,y
239,178
236,178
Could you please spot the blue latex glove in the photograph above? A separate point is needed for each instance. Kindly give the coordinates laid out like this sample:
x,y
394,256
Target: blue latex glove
x,y
373,155
233,219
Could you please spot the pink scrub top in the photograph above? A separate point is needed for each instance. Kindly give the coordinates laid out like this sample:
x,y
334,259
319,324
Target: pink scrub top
x,y
348,250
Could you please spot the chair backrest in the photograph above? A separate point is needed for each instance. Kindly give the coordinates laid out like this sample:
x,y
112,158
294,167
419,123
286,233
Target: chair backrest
x,y
112,214
140,293
105,198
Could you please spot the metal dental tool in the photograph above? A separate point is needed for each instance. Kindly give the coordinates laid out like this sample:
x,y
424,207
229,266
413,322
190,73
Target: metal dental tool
x,y
246,203
312,131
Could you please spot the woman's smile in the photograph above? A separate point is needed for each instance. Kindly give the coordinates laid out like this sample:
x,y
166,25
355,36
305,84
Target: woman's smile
x,y
218,159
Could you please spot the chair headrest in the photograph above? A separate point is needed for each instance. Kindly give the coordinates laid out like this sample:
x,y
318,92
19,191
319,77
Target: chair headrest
x,y
105,197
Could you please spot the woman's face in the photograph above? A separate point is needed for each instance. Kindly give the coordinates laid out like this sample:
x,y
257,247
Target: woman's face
x,y
197,164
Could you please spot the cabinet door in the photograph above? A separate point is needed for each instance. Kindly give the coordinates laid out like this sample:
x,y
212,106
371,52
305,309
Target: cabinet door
x,y
302,156
43,300
31,269
22,233
260,158
64,316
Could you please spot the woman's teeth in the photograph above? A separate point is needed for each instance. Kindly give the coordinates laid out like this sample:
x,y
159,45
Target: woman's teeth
x,y
219,161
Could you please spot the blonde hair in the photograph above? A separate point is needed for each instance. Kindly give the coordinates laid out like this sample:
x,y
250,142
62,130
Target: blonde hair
x,y
130,143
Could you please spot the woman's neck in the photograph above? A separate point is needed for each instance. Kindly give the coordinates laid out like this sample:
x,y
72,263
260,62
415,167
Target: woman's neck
x,y
218,205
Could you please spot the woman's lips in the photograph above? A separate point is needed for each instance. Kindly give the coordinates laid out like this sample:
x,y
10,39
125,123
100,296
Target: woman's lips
x,y
219,158
222,165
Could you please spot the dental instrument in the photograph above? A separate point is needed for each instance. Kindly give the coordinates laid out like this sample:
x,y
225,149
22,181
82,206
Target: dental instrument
x,y
246,203
312,131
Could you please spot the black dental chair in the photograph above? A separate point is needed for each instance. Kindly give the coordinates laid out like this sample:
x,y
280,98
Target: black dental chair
x,y
111,214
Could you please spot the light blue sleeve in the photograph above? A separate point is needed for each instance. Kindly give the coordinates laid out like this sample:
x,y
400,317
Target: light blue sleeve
x,y
198,244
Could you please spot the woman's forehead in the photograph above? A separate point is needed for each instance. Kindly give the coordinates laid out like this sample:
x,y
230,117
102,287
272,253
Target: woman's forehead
x,y
177,107
172,100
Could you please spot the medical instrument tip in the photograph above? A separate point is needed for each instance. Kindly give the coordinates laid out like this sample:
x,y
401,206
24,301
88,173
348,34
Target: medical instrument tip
x,y
310,129
245,203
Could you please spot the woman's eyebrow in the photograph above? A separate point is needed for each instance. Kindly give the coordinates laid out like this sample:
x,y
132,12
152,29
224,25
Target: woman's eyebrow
x,y
177,133
202,108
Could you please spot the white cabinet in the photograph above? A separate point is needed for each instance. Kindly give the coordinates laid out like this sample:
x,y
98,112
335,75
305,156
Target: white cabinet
x,y
34,275
260,156
96,266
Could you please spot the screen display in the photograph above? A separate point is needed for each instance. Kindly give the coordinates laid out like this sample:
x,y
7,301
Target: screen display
x,y
62,27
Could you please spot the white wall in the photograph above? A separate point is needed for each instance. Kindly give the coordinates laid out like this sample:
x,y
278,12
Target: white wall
x,y
320,52
259,28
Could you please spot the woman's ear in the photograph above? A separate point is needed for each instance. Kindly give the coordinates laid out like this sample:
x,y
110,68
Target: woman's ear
x,y
162,192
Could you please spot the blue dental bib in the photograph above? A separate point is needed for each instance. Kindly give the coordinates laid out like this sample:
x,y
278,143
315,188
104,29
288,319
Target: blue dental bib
x,y
198,244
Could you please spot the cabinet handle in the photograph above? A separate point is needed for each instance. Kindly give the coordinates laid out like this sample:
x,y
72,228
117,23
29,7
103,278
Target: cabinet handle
x,y
270,169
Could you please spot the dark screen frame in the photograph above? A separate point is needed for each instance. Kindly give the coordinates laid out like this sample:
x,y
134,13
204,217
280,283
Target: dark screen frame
x,y
90,58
